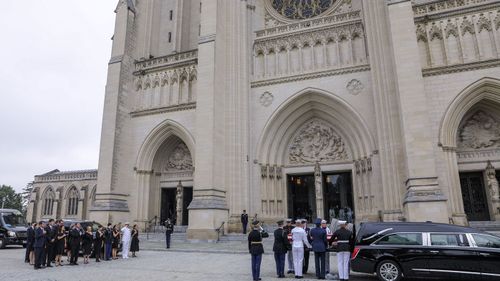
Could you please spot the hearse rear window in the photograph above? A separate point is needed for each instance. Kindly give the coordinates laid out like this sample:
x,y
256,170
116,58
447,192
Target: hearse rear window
x,y
486,241
411,239
449,240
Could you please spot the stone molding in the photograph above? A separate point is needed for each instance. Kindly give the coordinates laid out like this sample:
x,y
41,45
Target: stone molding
x,y
166,62
308,76
447,7
441,70
165,109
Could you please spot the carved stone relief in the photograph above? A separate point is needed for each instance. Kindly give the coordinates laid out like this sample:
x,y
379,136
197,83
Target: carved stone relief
x,y
355,87
479,131
180,159
492,181
316,142
266,99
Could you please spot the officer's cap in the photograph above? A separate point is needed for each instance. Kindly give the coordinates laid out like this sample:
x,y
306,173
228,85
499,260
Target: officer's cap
x,y
255,222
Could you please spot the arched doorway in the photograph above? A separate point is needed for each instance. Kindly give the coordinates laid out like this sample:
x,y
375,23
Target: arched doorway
x,y
470,138
164,172
314,150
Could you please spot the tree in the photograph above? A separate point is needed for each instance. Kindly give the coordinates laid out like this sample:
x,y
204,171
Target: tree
x,y
13,200
26,196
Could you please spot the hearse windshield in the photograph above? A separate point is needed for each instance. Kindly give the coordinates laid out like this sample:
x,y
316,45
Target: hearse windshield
x,y
13,219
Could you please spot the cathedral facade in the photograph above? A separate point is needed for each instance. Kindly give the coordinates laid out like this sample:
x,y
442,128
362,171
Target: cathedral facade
x,y
366,110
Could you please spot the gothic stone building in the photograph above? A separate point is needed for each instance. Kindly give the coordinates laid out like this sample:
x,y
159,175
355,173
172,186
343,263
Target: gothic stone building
x,y
362,109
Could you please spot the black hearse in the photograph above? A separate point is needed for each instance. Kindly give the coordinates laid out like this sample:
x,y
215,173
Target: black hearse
x,y
426,250
13,228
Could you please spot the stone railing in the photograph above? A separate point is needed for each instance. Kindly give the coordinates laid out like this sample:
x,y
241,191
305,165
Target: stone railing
x,y
166,84
164,62
309,24
322,47
62,176
442,6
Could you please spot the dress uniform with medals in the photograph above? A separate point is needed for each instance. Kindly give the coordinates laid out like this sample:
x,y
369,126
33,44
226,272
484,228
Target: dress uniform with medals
x,y
344,239
280,247
256,249
305,266
288,229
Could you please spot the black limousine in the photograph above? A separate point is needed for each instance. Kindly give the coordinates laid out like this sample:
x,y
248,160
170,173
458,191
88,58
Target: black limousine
x,y
426,250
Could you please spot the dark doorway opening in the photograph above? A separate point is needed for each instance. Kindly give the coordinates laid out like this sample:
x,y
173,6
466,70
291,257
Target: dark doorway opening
x,y
474,196
187,198
301,198
168,204
338,196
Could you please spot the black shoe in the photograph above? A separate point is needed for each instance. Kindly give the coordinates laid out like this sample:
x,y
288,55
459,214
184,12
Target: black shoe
x,y
290,271
75,263
49,265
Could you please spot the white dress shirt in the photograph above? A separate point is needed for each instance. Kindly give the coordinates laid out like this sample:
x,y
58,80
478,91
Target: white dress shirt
x,y
299,237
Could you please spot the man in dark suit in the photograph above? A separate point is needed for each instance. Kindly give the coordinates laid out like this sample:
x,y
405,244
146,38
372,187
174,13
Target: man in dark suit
x,y
256,249
288,229
305,265
169,229
280,247
39,244
30,239
319,245
75,243
108,240
50,245
244,221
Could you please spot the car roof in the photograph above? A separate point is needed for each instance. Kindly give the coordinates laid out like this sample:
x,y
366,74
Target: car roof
x,y
370,231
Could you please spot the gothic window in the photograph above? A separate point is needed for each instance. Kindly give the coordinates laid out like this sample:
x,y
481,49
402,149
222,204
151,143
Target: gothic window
x,y
48,202
73,201
301,9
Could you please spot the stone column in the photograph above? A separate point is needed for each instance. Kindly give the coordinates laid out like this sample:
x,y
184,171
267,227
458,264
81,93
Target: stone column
x,y
179,196
493,190
318,186
423,199
387,116
111,198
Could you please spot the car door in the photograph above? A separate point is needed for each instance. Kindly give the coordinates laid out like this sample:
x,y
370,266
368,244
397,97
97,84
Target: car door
x,y
408,250
451,257
488,248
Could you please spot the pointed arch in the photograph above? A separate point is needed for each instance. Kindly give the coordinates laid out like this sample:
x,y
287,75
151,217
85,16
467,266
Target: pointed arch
x,y
72,199
484,89
157,137
309,104
48,199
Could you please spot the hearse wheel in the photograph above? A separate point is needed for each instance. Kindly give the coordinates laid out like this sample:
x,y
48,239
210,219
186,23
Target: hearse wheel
x,y
389,270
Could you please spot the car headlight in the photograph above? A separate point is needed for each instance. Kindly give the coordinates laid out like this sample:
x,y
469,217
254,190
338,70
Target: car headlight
x,y
12,234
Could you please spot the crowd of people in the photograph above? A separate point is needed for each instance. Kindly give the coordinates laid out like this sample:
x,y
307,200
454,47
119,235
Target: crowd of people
x,y
295,240
48,242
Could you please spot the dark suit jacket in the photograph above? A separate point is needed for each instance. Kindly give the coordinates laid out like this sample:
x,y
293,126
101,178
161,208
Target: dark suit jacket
x,y
75,237
244,218
39,238
50,233
319,242
280,241
30,235
255,243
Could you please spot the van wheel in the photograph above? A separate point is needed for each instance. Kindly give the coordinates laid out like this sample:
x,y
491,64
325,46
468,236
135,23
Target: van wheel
x,y
389,270
2,243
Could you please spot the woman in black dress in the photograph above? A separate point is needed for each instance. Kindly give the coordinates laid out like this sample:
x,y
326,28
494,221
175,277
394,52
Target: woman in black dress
x,y
134,246
116,241
87,244
60,244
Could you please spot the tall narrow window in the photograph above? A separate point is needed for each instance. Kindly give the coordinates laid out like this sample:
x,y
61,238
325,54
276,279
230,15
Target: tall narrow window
x,y
169,37
73,201
171,14
48,202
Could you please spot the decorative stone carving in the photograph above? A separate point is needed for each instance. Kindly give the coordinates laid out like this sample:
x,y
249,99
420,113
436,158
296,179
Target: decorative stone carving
x,y
180,159
266,99
355,87
492,181
481,130
316,142
263,171
178,196
279,172
271,172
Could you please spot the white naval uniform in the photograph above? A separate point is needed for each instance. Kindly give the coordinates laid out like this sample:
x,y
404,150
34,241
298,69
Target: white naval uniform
x,y
126,237
299,238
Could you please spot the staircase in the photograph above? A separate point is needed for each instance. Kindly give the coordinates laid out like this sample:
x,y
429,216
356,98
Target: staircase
x,y
157,233
489,226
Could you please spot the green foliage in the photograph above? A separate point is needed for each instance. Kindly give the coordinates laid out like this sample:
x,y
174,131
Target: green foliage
x,y
13,200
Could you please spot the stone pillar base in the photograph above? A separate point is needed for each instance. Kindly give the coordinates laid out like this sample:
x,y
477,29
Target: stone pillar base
x,y
459,219
112,208
204,222
421,211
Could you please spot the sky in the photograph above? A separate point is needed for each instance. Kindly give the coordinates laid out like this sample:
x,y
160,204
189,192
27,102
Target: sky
x,y
54,56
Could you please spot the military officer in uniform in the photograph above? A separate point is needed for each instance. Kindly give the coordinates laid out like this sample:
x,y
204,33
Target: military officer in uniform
x,y
343,239
307,252
319,245
256,249
244,221
280,247
288,229
169,229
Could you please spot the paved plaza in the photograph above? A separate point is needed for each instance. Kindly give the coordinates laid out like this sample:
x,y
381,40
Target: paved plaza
x,y
187,261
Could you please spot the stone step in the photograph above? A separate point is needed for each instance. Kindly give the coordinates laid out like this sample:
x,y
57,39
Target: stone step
x,y
161,228
486,225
